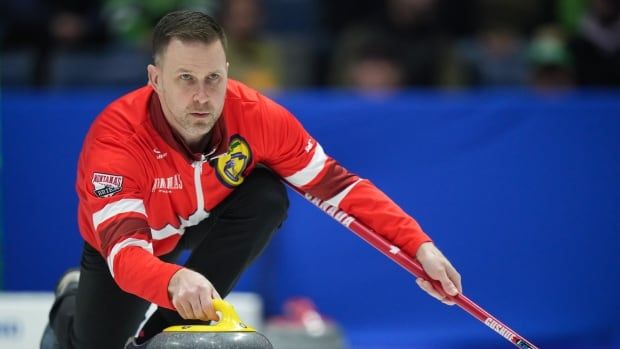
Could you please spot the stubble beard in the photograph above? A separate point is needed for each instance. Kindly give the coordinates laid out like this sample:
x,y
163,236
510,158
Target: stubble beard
x,y
198,127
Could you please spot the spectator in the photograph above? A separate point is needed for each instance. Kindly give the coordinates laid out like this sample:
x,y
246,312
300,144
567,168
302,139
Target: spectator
x,y
495,57
32,36
496,53
131,21
253,59
77,24
521,16
375,69
551,65
409,24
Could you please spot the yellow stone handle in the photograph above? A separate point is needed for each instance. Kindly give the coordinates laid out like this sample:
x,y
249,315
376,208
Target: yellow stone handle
x,y
229,321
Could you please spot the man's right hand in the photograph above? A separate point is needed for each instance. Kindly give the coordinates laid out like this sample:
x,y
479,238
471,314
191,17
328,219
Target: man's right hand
x,y
191,294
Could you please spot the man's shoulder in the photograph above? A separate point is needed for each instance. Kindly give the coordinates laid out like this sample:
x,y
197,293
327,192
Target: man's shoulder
x,y
237,91
124,116
133,105
249,99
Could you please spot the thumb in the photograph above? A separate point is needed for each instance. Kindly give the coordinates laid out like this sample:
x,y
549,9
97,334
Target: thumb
x,y
447,284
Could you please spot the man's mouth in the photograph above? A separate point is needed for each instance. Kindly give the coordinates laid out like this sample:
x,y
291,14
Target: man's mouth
x,y
200,114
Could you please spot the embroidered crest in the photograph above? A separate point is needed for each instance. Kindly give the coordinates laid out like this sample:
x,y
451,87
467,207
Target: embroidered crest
x,y
231,166
106,185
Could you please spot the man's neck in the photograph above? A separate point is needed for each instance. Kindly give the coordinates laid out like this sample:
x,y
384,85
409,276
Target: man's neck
x,y
199,145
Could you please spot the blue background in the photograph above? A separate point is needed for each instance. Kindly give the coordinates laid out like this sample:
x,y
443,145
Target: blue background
x,y
521,191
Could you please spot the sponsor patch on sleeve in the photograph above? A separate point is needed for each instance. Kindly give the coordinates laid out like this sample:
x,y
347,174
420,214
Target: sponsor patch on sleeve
x,y
106,185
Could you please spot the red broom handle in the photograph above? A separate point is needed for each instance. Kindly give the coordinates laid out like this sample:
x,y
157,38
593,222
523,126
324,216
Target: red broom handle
x,y
414,267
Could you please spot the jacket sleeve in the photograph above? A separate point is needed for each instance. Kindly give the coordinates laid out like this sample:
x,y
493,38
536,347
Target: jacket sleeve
x,y
111,192
300,160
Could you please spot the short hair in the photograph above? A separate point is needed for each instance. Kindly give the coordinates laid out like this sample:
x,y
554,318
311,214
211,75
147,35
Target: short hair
x,y
188,26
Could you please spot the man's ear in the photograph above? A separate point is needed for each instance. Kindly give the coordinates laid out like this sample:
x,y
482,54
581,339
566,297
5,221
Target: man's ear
x,y
154,76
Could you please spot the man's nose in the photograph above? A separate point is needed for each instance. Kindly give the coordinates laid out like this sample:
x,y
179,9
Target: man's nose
x,y
201,94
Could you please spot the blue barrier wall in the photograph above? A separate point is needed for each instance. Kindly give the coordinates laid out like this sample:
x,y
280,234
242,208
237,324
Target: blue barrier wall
x,y
520,191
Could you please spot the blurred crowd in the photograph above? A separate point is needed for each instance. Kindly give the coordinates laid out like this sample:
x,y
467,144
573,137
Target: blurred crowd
x,y
366,45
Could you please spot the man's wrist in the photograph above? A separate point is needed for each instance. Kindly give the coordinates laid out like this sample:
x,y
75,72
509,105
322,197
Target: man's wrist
x,y
424,250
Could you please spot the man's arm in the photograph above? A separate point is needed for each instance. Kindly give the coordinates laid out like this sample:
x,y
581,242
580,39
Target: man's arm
x,y
114,220
301,160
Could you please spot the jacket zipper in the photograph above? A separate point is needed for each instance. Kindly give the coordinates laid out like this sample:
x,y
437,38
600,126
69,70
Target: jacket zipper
x,y
200,199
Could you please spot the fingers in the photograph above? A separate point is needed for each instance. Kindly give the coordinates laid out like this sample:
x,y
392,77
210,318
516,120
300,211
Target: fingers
x,y
428,288
196,308
455,277
208,311
447,284
191,294
439,268
182,309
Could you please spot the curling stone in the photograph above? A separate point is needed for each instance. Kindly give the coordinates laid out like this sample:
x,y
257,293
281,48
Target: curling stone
x,y
229,333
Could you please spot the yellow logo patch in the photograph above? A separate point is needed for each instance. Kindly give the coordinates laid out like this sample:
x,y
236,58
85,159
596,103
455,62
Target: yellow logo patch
x,y
231,166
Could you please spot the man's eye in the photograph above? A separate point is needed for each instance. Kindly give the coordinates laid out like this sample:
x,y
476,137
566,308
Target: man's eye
x,y
185,77
213,76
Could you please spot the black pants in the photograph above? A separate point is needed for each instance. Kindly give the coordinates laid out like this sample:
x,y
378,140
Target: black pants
x,y
222,246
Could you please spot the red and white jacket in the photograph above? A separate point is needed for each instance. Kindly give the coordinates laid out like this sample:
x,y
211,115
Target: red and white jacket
x,y
139,185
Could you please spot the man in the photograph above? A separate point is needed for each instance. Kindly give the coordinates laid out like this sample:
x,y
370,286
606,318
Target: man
x,y
190,162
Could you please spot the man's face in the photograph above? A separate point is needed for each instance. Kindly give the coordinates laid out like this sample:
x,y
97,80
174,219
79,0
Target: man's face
x,y
190,79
